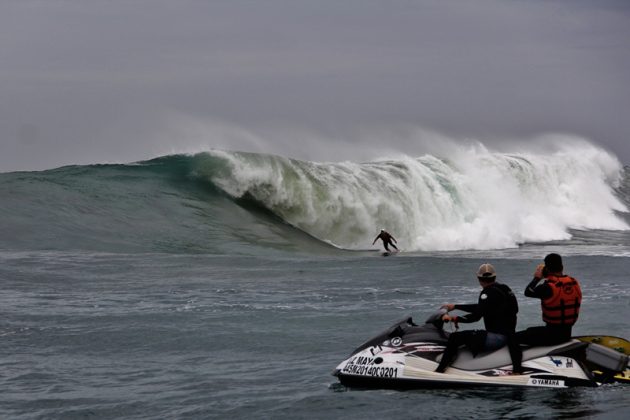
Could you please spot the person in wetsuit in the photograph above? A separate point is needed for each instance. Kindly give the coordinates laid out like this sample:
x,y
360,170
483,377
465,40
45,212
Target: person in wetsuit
x,y
387,239
560,298
498,307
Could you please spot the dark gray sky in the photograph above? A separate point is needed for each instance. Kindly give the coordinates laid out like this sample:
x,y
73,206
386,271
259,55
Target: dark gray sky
x,y
102,81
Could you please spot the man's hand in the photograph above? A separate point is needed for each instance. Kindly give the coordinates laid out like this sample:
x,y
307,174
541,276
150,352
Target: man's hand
x,y
448,306
451,318
538,274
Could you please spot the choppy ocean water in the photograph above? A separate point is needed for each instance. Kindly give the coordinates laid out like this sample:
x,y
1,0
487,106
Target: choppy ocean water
x,y
180,336
142,291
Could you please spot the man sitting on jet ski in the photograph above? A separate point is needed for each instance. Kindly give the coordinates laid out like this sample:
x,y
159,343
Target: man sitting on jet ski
x,y
560,298
498,307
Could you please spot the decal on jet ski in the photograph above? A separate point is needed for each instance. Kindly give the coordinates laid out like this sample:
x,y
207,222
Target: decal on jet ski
x,y
555,383
430,348
376,350
496,372
415,349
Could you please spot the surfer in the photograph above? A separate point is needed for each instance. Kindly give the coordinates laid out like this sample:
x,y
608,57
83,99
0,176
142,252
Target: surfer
x,y
560,298
498,307
387,239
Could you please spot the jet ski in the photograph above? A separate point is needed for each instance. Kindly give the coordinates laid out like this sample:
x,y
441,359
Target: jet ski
x,y
406,355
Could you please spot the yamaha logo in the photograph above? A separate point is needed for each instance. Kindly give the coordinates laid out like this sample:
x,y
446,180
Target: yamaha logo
x,y
396,341
546,382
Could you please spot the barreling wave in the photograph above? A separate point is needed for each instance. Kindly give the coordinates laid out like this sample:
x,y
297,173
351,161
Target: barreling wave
x,y
474,199
222,201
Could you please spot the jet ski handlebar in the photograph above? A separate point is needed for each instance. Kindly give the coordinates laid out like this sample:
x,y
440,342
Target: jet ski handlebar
x,y
436,318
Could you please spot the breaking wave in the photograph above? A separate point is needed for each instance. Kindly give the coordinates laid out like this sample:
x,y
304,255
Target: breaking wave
x,y
472,199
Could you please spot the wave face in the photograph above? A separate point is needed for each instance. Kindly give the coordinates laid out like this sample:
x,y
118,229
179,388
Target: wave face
x,y
153,206
221,200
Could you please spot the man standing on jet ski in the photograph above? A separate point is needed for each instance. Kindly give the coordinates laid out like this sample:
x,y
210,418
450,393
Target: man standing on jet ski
x,y
560,297
498,307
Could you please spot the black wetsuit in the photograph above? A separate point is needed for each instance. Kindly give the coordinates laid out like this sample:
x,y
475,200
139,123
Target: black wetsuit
x,y
387,240
548,334
498,307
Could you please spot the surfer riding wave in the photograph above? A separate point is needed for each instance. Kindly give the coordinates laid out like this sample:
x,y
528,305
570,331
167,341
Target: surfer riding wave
x,y
387,239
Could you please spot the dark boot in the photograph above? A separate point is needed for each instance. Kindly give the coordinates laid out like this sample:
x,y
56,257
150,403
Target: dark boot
x,y
449,353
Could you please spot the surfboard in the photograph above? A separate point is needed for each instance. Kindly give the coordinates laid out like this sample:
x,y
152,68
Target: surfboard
x,y
388,253
616,343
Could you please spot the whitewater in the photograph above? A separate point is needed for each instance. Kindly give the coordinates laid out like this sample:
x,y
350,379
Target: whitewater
x,y
229,284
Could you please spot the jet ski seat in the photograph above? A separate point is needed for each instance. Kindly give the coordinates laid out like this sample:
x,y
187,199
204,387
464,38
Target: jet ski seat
x,y
501,357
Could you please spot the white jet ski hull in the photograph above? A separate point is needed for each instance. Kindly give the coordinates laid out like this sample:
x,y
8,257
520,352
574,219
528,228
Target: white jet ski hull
x,y
383,366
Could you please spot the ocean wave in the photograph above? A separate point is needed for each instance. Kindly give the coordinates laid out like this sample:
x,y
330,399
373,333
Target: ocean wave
x,y
473,199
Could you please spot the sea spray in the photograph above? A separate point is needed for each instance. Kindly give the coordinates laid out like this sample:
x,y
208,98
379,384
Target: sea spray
x,y
473,199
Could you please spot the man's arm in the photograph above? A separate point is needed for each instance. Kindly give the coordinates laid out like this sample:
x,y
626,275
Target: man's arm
x,y
471,317
461,307
488,299
473,310
474,313
535,290
473,307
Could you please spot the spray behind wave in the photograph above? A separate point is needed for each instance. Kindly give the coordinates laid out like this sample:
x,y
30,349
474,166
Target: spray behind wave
x,y
472,199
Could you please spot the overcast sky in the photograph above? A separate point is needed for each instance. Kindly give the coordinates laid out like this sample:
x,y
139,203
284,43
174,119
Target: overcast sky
x,y
118,81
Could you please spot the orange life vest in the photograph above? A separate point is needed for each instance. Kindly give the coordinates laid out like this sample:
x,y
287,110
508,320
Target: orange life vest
x,y
563,307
